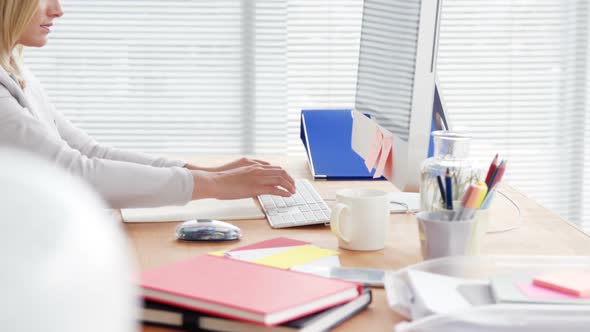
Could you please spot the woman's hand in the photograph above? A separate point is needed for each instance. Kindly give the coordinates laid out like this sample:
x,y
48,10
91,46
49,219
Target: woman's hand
x,y
232,165
243,182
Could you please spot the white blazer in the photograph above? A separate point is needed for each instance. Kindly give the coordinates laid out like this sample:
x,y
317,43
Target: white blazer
x,y
28,121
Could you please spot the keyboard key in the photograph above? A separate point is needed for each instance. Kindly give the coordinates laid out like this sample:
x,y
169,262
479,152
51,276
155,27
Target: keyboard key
x,y
289,201
270,205
315,207
309,216
304,208
298,199
276,220
288,218
308,198
319,215
298,217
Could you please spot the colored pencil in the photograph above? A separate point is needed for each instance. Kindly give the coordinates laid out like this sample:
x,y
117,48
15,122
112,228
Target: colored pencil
x,y
484,194
499,174
464,201
491,170
493,178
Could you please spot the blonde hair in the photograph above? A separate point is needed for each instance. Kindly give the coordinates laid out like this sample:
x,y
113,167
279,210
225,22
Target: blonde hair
x,y
15,16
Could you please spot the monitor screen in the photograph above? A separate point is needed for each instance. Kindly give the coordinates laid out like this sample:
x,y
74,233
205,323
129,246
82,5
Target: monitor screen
x,y
387,60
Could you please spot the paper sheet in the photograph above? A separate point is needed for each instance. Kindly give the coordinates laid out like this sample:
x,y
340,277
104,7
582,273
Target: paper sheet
x,y
296,256
256,254
435,293
199,209
324,262
283,253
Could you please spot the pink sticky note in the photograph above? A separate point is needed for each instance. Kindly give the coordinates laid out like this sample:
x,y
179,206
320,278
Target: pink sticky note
x,y
536,292
385,153
375,150
576,283
388,171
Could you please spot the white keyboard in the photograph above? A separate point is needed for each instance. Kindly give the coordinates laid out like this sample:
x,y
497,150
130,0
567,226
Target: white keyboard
x,y
305,207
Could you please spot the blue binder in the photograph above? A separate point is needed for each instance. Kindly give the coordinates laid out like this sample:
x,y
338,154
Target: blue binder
x,y
326,135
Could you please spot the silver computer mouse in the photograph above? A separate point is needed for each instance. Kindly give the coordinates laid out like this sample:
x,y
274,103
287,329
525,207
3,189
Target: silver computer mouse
x,y
207,230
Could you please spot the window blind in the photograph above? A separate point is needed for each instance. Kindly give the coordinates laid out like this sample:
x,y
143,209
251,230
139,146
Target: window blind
x,y
178,76
514,73
323,47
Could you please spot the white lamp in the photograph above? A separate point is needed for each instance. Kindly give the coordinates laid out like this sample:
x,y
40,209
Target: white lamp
x,y
64,262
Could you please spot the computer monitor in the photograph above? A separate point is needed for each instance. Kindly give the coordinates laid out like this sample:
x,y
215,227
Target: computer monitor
x,y
396,83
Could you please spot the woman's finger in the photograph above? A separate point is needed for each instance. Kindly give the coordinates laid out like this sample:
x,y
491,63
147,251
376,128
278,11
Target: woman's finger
x,y
278,181
272,190
275,171
261,162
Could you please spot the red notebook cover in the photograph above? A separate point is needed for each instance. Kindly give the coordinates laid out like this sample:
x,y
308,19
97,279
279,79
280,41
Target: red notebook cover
x,y
242,290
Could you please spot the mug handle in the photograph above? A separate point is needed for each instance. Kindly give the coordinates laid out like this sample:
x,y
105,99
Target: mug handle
x,y
335,220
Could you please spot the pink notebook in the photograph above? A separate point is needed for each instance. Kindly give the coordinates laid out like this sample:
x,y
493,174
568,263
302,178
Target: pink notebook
x,y
245,291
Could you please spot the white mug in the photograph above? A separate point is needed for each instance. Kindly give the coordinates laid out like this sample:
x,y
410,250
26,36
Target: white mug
x,y
360,219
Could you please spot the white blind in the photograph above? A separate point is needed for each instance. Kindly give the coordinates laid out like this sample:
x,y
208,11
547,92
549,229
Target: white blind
x,y
323,47
514,73
231,76
177,76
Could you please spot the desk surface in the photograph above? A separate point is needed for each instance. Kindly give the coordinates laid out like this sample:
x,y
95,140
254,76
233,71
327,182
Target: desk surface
x,y
541,233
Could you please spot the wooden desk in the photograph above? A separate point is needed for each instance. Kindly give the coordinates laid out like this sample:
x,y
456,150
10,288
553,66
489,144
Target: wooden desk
x,y
541,233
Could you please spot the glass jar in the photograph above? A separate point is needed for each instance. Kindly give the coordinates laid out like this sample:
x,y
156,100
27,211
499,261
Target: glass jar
x,y
451,152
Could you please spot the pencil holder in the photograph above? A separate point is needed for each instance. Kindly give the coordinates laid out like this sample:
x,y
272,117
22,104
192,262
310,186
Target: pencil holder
x,y
451,152
441,236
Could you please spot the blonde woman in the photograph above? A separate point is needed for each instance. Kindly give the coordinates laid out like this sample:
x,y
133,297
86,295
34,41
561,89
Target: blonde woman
x,y
125,179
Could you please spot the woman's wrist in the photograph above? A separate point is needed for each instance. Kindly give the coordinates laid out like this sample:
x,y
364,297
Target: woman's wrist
x,y
192,167
204,184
